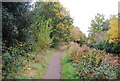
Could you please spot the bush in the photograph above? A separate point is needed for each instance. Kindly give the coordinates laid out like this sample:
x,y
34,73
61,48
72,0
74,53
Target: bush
x,y
90,45
99,45
91,63
116,48
13,61
111,47
105,45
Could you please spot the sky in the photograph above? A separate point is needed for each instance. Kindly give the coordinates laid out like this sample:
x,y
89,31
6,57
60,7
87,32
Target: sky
x,y
83,11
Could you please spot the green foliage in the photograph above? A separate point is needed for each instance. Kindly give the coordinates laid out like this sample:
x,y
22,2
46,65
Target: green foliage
x,y
15,21
15,33
108,47
68,71
91,63
14,60
59,17
112,48
102,34
44,36
116,48
99,45
97,25
27,31
41,33
37,66
78,36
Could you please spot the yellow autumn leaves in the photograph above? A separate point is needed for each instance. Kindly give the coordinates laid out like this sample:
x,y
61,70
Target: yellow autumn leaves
x,y
114,30
60,25
21,44
59,15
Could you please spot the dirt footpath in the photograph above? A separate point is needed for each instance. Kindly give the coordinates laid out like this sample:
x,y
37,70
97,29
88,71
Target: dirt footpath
x,y
54,68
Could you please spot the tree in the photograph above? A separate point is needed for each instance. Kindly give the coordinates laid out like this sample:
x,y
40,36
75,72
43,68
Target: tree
x,y
78,36
15,33
99,24
59,17
15,22
41,34
114,30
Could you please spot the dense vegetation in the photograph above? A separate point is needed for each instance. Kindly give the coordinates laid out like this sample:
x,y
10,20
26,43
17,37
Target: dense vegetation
x,y
29,30
86,63
15,34
104,34
31,34
101,59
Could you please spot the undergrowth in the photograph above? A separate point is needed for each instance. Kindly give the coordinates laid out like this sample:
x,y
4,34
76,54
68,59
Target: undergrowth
x,y
86,63
36,67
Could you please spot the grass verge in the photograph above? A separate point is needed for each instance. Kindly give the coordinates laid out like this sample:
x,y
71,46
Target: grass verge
x,y
68,71
35,69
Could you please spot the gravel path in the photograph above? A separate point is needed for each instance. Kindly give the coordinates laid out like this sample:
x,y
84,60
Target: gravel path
x,y
54,68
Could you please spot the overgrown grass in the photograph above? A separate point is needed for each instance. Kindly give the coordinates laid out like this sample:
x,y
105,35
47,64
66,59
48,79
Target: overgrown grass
x,y
35,69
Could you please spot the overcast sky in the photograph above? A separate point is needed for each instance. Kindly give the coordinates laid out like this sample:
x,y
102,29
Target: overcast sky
x,y
83,11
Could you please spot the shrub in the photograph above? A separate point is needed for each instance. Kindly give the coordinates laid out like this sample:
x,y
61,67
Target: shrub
x,y
99,45
14,59
105,45
92,63
111,47
116,48
90,45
